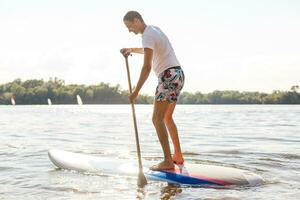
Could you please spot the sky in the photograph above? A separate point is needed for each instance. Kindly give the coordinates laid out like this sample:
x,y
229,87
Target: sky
x,y
244,45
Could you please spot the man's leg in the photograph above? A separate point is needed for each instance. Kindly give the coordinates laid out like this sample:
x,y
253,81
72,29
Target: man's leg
x,y
168,119
160,109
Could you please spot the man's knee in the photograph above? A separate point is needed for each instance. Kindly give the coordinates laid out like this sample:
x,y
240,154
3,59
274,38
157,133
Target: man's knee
x,y
157,119
168,119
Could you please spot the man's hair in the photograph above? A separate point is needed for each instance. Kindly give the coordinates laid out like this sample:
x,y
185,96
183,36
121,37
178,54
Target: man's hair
x,y
130,15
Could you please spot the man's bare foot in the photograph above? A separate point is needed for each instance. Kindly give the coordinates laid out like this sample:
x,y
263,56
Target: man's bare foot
x,y
164,165
178,159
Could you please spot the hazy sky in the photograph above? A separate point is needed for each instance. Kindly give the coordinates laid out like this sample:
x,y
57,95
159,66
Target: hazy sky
x,y
246,45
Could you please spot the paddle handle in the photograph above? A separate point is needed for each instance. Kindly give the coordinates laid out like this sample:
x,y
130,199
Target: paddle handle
x,y
134,119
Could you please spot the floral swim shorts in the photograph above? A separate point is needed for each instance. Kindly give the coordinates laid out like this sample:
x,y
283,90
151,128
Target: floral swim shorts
x,y
170,83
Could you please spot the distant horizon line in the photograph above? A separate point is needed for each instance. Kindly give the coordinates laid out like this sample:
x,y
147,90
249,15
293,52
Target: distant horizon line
x,y
292,87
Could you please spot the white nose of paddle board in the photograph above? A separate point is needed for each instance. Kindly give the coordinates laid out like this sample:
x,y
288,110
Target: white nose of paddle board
x,y
189,174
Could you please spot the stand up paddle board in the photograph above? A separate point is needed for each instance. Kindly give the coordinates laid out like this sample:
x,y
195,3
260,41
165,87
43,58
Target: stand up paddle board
x,y
188,174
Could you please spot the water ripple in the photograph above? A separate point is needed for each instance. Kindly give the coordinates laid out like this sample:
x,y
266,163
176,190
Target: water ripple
x,y
263,139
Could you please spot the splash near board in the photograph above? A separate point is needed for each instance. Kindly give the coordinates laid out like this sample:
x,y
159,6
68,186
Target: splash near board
x,y
189,174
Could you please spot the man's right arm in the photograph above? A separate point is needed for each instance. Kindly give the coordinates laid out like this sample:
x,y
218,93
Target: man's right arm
x,y
137,50
127,51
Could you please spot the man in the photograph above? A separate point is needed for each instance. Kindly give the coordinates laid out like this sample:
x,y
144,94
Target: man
x,y
158,55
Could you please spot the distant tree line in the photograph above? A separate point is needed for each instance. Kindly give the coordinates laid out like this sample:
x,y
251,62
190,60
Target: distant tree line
x,y
236,97
39,91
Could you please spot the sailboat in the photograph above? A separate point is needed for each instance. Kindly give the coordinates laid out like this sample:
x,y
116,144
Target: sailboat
x,y
12,100
79,101
49,102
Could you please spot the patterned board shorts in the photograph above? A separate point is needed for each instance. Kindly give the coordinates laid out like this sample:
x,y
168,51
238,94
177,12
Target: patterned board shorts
x,y
170,83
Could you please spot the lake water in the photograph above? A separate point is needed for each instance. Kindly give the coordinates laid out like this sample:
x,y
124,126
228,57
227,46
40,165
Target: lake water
x,y
264,139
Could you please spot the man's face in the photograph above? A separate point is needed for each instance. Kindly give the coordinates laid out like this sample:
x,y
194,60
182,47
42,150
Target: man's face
x,y
132,26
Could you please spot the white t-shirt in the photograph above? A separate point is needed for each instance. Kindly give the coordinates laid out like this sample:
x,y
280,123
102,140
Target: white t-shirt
x,y
163,54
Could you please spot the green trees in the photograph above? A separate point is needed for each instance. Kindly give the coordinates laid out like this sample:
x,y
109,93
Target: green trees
x,y
38,91
235,97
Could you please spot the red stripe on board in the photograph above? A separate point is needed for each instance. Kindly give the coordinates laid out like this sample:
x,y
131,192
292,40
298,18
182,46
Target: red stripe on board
x,y
178,171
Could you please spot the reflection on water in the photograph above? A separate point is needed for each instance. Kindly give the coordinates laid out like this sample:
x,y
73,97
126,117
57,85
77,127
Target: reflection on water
x,y
263,139
167,192
170,191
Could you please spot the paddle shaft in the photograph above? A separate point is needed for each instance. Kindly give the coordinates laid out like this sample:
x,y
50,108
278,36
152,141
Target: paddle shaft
x,y
134,120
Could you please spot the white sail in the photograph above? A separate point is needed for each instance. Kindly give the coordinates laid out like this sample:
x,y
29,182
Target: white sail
x,y
79,101
49,102
13,102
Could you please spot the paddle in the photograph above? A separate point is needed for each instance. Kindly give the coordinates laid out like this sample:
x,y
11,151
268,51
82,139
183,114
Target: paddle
x,y
141,177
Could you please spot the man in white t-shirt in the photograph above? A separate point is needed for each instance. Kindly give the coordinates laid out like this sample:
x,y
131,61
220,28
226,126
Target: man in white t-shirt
x,y
160,57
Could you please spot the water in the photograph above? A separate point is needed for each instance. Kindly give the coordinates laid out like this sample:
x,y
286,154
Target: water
x,y
260,138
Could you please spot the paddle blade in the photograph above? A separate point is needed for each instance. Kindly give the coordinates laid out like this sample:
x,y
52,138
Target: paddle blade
x,y
142,181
